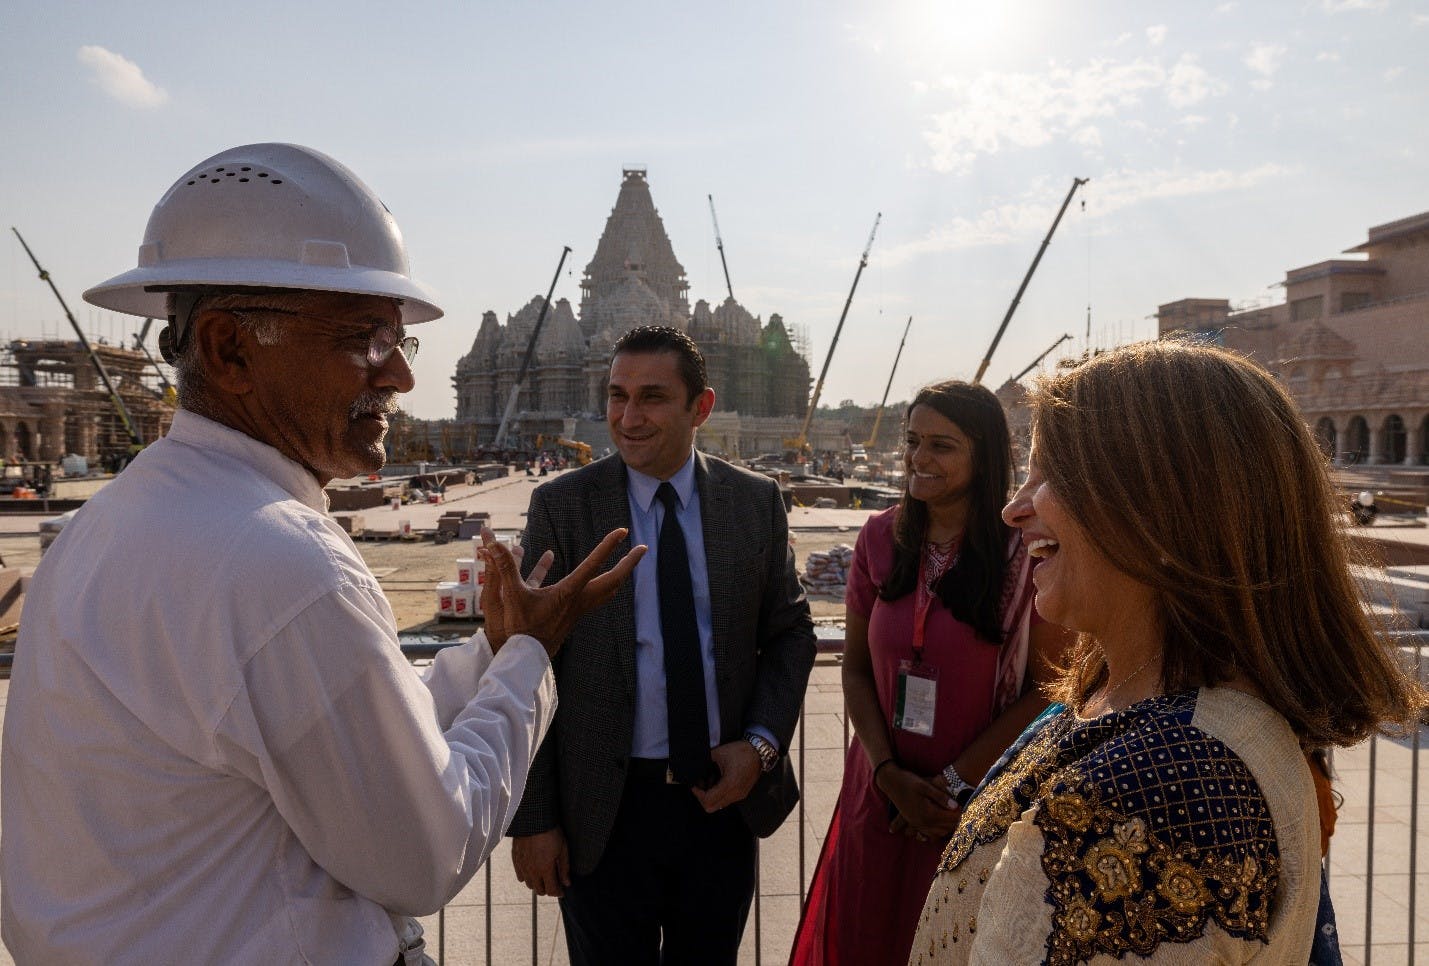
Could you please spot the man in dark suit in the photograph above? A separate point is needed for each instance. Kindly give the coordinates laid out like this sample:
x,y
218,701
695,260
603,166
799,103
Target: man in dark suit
x,y
678,698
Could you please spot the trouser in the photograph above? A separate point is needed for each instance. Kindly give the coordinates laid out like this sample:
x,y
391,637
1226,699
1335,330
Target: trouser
x,y
673,886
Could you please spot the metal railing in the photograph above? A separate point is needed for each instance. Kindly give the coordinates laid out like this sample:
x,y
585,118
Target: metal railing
x,y
1346,912
1412,648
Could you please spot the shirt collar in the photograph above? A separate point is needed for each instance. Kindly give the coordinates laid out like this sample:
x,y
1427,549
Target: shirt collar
x,y
643,487
203,433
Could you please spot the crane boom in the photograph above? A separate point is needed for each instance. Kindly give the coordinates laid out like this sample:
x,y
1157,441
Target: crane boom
x,y
982,368
803,441
134,437
1046,352
139,344
719,243
878,416
530,351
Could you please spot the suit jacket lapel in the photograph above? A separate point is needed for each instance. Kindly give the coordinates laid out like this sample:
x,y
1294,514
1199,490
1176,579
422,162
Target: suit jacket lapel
x,y
609,510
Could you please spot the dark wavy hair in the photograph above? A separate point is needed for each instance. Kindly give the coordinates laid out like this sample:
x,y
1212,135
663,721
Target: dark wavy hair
x,y
665,338
972,587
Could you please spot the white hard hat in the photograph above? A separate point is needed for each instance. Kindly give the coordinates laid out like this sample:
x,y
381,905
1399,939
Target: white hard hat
x,y
269,216
1366,498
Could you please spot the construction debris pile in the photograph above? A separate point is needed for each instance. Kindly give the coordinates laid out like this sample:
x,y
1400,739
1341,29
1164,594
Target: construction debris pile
x,y
826,573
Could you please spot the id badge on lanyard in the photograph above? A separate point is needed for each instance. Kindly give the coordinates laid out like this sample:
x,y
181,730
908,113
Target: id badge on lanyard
x,y
916,693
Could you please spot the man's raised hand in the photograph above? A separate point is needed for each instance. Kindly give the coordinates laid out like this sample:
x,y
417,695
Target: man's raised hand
x,y
512,606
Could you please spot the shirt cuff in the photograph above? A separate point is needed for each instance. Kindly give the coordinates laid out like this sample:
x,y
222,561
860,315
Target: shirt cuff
x,y
766,734
517,647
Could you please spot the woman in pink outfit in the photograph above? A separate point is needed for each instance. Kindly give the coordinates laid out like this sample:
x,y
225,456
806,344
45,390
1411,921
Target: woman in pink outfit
x,y
942,657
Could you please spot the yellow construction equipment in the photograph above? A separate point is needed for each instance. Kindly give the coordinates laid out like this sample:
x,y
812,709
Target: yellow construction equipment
x,y
580,452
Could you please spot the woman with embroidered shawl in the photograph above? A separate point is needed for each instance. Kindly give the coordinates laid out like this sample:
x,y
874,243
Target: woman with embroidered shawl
x,y
1186,527
942,650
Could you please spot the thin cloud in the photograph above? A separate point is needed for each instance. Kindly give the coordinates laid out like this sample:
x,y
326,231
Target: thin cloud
x,y
121,78
1419,20
1392,73
1265,60
1115,191
1349,6
1156,35
1190,83
996,111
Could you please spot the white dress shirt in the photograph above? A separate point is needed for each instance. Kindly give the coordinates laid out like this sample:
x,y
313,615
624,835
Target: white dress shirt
x,y
214,751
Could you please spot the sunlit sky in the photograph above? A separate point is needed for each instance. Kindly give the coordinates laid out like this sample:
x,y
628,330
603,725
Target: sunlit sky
x,y
1225,143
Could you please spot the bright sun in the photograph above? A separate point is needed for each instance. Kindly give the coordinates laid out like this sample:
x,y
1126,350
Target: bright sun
x,y
956,34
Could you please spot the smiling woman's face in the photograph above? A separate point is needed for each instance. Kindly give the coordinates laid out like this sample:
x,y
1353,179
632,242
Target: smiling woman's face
x,y
938,458
1077,586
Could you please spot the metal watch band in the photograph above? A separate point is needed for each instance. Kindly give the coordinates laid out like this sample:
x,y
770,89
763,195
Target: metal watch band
x,y
768,754
958,789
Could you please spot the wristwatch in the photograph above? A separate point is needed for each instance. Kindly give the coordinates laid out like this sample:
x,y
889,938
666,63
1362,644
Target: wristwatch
x,y
768,754
958,790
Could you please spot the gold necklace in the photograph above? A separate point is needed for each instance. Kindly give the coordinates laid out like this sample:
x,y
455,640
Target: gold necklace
x,y
1107,695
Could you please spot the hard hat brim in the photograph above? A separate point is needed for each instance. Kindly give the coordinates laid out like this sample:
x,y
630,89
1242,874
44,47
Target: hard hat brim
x,y
141,291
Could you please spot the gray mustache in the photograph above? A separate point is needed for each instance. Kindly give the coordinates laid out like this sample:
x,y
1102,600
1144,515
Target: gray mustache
x,y
374,403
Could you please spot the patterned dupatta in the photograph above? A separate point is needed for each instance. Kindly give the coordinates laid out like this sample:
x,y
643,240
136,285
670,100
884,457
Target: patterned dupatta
x,y
1015,611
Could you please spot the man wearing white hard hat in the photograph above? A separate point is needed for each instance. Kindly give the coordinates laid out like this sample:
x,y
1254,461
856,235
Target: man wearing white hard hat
x,y
214,751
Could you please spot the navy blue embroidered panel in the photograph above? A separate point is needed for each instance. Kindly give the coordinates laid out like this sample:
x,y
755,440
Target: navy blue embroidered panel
x,y
1151,828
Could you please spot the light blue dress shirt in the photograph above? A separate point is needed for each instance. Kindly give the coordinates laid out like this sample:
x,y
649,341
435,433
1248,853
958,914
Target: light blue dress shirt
x,y
652,733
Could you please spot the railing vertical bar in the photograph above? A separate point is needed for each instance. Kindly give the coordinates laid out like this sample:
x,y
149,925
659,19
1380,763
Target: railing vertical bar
x,y
441,936
488,912
1329,846
1414,813
803,799
1369,856
534,955
758,894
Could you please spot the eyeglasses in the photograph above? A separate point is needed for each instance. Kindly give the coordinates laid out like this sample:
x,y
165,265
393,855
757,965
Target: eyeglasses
x,y
379,347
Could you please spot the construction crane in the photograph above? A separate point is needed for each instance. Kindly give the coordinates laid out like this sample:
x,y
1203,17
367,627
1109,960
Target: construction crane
x,y
580,452
1044,355
170,395
530,351
982,368
719,243
801,442
878,416
135,440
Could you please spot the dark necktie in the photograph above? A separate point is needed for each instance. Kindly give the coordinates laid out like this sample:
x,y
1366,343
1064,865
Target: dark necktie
x,y
686,711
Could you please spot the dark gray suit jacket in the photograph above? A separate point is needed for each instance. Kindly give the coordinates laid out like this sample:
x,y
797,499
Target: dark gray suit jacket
x,y
763,647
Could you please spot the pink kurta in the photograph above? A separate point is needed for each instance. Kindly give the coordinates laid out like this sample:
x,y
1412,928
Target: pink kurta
x,y
869,886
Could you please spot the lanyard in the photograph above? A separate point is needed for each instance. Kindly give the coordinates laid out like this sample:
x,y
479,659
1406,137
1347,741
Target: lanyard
x,y
923,599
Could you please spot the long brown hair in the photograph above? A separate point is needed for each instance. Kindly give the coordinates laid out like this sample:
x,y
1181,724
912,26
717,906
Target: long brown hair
x,y
1197,476
972,587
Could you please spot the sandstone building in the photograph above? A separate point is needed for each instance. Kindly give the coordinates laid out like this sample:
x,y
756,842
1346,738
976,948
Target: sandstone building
x,y
52,402
1351,342
761,379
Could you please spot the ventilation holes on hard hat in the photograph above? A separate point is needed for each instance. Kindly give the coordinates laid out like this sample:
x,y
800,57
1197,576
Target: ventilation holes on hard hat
x,y
236,173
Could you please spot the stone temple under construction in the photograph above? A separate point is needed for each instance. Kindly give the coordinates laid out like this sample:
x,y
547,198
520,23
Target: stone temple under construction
x,y
760,376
